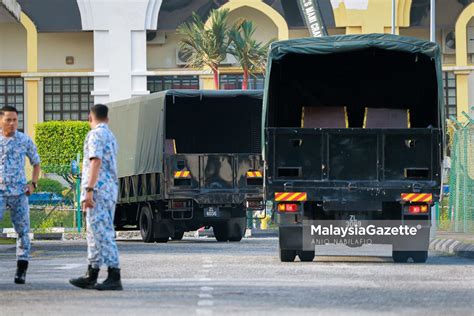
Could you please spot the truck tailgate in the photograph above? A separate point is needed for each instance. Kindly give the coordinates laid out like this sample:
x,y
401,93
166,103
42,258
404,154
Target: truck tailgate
x,y
211,174
357,157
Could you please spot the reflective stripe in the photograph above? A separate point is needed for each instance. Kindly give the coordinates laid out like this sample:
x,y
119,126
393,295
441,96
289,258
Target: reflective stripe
x,y
291,196
417,197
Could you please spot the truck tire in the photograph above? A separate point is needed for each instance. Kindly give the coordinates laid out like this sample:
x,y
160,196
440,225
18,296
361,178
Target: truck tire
x,y
403,256
221,232
237,228
306,256
419,256
400,256
162,240
146,224
287,255
178,236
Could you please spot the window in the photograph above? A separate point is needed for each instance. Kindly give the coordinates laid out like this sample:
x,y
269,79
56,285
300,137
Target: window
x,y
67,98
234,81
449,84
161,83
11,93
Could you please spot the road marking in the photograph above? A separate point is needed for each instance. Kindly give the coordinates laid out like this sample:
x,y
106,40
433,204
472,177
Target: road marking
x,y
207,289
207,266
205,295
69,266
204,279
205,303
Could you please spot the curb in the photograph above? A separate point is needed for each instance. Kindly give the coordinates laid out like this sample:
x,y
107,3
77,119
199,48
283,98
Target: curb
x,y
62,234
453,247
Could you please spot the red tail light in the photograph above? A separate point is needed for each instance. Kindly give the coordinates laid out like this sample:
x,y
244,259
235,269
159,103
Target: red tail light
x,y
288,207
418,209
414,209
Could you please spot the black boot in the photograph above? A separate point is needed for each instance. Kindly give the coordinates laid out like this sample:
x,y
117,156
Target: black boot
x,y
21,267
112,283
88,281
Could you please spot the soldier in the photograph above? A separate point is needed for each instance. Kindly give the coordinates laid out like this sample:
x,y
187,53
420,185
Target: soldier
x,y
14,146
98,197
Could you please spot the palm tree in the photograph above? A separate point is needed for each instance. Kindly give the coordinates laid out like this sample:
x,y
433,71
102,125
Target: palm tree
x,y
250,54
206,45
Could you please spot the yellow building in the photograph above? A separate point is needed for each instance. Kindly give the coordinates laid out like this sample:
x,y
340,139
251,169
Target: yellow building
x,y
51,67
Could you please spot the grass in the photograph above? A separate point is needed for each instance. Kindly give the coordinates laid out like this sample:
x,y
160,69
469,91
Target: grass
x,y
7,241
41,219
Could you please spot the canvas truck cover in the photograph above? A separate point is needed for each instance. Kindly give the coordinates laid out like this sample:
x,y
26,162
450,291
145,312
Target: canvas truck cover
x,y
386,69
139,126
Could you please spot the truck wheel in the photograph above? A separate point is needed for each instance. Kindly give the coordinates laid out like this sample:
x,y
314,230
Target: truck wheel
x,y
146,224
221,232
419,256
178,236
237,228
306,256
287,255
400,256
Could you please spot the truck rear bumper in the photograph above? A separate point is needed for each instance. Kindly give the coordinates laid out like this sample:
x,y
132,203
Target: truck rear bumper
x,y
348,194
203,198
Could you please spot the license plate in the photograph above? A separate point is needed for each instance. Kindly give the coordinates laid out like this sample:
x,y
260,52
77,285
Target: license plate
x,y
211,212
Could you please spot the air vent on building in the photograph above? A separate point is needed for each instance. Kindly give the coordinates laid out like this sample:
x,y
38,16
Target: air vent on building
x,y
181,58
155,38
449,42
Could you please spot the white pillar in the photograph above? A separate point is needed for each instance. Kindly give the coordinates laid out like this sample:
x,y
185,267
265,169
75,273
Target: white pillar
x,y
119,28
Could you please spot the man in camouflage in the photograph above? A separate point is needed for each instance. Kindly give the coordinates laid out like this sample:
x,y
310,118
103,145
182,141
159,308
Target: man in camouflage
x,y
14,146
98,197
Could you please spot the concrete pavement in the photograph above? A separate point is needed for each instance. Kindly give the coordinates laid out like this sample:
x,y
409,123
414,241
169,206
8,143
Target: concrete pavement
x,y
199,276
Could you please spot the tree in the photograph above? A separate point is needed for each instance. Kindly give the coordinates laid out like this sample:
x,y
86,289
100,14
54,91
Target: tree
x,y
250,54
206,45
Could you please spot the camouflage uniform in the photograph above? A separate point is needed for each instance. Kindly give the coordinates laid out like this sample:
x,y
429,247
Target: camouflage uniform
x,y
12,186
101,247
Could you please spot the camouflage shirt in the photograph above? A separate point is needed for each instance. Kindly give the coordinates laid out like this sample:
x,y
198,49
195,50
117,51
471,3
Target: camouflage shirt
x,y
12,162
100,143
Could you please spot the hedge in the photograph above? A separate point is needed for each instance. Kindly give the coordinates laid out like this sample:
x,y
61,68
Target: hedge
x,y
58,144
50,185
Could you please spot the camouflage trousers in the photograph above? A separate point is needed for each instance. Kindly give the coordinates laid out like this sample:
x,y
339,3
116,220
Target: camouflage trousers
x,y
101,246
20,215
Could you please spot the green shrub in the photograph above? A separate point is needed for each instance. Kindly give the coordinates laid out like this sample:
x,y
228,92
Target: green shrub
x,y
50,185
58,143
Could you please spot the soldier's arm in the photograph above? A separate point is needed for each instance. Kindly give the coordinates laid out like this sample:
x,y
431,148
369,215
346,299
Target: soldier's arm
x,y
34,158
36,173
96,152
94,172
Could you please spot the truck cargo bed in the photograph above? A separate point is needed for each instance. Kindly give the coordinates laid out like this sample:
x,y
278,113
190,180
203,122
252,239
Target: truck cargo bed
x,y
353,163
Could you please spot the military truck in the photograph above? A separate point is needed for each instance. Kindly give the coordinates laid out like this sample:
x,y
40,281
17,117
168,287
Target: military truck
x,y
188,159
353,131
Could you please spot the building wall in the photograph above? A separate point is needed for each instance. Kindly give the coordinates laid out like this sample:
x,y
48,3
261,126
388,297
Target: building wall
x,y
163,56
12,47
54,47
265,29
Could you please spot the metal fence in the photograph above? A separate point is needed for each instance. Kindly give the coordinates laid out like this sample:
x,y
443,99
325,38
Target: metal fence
x,y
457,210
53,209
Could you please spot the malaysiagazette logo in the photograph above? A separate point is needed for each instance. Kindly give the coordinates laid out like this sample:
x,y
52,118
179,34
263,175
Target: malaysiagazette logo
x,y
362,231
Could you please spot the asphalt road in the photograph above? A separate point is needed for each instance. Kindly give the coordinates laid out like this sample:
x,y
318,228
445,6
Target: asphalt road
x,y
203,277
